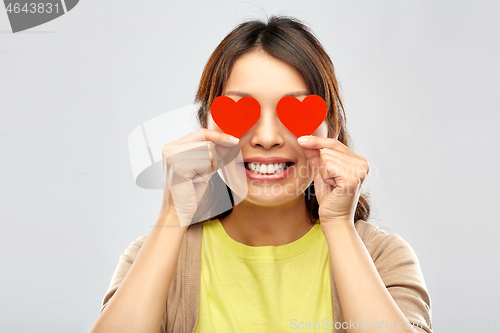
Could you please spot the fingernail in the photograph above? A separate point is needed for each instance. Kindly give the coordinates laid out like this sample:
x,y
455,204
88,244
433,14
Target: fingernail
x,y
303,139
232,138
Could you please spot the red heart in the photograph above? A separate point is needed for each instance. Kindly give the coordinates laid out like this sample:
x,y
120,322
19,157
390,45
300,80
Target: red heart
x,y
301,118
235,118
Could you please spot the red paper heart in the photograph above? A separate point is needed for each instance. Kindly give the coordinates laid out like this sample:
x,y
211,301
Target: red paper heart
x,y
301,118
235,118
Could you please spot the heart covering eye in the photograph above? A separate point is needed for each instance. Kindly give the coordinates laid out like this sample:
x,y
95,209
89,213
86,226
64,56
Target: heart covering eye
x,y
300,118
235,118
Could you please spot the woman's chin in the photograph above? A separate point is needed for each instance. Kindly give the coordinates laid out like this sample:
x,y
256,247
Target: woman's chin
x,y
268,198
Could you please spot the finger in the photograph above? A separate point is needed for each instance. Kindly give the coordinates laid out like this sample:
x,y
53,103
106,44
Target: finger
x,y
316,142
208,150
329,171
214,158
339,160
312,155
226,144
200,189
226,154
187,154
345,176
171,149
311,152
359,163
204,134
337,155
187,170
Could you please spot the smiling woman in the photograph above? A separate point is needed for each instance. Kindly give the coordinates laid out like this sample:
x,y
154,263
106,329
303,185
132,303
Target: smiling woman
x,y
285,57
297,248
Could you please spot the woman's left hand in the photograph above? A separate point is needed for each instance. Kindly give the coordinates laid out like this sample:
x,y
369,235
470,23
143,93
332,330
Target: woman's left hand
x,y
338,176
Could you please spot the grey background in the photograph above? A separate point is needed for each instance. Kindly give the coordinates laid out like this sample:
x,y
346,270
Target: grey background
x,y
420,81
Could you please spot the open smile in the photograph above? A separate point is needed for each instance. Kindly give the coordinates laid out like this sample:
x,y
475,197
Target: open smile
x,y
270,172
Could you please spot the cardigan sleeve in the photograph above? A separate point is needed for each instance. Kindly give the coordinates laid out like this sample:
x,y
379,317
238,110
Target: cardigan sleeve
x,y
399,269
124,263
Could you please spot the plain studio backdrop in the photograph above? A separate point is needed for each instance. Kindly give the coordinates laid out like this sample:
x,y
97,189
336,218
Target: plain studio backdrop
x,y
420,81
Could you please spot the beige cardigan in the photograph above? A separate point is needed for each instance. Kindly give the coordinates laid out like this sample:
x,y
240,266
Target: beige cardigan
x,y
394,259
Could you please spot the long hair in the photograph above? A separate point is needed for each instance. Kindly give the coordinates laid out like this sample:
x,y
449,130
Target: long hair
x,y
288,39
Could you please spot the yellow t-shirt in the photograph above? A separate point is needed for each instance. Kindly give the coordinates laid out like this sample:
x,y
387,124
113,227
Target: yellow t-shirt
x,y
264,288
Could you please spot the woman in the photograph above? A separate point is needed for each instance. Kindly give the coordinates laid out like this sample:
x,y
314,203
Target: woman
x,y
296,252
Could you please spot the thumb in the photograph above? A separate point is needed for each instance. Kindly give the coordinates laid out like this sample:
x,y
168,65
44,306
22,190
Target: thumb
x,y
312,155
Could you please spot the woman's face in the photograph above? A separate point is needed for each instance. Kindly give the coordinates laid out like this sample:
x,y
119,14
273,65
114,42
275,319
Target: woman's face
x,y
269,142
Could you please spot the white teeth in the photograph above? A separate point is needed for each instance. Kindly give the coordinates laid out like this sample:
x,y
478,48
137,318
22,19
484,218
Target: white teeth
x,y
266,168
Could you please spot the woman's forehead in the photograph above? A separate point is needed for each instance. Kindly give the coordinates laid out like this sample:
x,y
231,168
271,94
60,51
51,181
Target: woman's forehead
x,y
257,73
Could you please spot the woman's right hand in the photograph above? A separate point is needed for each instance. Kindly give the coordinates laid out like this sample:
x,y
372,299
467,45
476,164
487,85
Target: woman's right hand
x,y
187,169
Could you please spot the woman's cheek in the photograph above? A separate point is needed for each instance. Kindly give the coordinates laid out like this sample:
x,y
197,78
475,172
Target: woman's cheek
x,y
322,130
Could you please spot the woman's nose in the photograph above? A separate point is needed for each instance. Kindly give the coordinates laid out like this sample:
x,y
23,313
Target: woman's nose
x,y
268,131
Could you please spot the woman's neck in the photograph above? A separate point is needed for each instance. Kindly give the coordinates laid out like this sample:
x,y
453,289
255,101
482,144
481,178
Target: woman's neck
x,y
260,225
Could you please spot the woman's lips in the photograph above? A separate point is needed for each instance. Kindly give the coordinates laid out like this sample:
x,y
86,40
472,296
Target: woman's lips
x,y
272,177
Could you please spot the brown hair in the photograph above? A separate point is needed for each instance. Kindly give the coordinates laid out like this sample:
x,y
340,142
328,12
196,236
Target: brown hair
x,y
288,39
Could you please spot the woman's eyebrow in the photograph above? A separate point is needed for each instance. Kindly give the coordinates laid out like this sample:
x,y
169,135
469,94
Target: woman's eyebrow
x,y
243,94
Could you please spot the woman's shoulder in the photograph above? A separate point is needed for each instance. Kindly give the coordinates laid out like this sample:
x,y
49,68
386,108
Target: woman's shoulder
x,y
193,232
137,243
367,229
133,249
139,240
382,245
